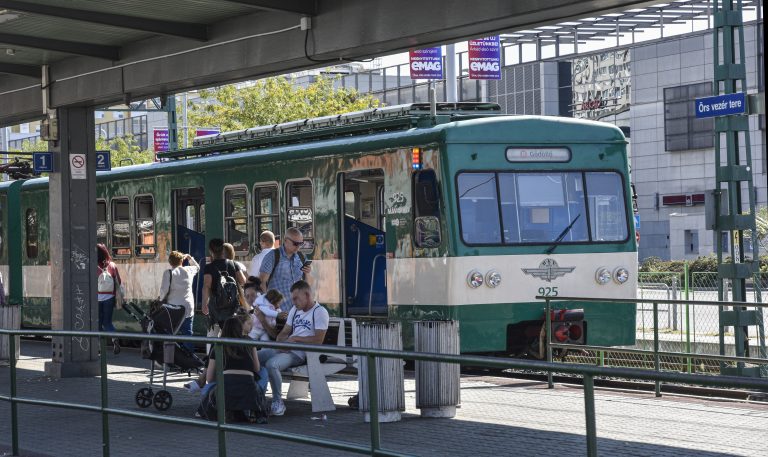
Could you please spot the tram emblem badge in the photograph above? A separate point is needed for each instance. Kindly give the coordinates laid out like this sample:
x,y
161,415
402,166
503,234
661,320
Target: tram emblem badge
x,y
548,270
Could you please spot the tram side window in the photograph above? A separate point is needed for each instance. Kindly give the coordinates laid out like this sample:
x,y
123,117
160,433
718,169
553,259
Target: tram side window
x,y
426,198
101,222
478,205
607,217
32,233
299,211
121,227
144,206
266,211
236,218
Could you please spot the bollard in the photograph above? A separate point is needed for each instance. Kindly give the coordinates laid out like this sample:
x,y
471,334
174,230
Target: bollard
x,y
391,389
437,384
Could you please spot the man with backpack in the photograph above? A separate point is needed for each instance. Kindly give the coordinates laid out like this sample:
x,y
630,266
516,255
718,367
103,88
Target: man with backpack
x,y
307,323
282,267
221,285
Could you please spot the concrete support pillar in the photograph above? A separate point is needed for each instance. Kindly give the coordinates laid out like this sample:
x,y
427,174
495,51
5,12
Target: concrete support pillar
x,y
72,194
451,94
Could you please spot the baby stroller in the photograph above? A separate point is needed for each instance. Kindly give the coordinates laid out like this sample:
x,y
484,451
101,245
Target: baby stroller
x,y
165,320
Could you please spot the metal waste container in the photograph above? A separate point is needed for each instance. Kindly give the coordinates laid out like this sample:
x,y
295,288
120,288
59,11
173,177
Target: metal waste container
x,y
437,384
389,372
10,318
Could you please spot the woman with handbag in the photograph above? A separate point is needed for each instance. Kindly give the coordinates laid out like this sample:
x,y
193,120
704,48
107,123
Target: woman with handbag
x,y
176,289
110,288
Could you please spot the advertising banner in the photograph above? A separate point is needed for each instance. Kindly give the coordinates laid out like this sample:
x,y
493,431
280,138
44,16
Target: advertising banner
x,y
485,58
160,137
204,132
426,63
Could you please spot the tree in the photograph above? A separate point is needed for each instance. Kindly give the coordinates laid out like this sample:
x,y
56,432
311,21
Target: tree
x,y
272,101
761,220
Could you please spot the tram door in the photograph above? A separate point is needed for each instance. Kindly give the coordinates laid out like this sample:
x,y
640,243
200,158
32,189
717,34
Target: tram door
x,y
189,223
364,256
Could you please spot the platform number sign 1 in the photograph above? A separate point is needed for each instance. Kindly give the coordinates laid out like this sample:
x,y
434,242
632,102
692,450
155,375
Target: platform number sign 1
x,y
103,161
42,162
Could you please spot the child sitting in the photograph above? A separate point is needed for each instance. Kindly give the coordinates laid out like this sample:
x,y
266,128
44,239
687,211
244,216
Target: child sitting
x,y
269,304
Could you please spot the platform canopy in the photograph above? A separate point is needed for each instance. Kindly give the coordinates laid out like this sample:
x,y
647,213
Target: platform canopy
x,y
114,51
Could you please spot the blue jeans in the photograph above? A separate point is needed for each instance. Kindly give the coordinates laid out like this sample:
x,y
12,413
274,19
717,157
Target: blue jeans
x,y
106,308
186,329
275,361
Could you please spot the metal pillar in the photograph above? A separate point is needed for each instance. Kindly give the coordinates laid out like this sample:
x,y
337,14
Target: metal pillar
x,y
173,132
72,204
451,94
730,77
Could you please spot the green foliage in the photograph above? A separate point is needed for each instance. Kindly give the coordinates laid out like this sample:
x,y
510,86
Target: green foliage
x,y
124,151
656,270
34,146
272,101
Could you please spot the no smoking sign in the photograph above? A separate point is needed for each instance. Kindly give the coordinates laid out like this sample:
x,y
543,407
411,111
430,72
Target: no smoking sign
x,y
77,166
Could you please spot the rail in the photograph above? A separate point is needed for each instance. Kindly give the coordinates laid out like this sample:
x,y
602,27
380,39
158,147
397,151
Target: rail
x,y
375,448
656,353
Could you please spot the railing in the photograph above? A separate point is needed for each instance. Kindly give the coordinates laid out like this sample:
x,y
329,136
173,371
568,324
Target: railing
x,y
656,354
375,448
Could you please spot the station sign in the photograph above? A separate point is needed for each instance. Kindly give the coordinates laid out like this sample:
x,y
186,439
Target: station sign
x,y
42,162
721,105
426,63
485,58
103,161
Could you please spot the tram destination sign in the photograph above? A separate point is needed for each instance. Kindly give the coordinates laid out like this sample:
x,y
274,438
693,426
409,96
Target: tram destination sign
x,y
721,105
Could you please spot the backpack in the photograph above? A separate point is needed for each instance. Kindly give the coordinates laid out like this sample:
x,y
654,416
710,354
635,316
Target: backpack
x,y
106,283
226,297
302,257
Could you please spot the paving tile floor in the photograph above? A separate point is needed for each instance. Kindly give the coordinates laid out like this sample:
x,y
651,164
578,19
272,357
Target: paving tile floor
x,y
498,416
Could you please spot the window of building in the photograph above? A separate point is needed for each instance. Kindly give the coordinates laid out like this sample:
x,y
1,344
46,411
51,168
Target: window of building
x,y
266,210
101,222
236,218
144,206
121,227
32,233
691,241
300,212
682,130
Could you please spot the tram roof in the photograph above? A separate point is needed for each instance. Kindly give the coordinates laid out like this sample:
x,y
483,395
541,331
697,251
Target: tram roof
x,y
502,129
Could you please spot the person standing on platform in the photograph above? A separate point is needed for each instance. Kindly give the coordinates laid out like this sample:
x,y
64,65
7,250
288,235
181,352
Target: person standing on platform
x,y
229,253
109,285
267,243
176,289
282,267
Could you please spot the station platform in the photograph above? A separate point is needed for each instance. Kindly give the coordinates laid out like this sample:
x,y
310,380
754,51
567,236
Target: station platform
x,y
498,416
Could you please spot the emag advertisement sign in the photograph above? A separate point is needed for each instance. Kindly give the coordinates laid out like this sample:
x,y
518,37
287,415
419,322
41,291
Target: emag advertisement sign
x,y
426,63
485,58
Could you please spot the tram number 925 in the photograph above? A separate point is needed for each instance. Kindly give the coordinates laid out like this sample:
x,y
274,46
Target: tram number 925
x,y
548,291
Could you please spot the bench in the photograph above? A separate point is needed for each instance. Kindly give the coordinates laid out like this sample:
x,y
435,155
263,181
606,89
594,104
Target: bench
x,y
313,375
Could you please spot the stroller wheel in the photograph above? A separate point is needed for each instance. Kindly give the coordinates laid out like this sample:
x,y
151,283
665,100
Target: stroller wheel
x,y
144,397
163,400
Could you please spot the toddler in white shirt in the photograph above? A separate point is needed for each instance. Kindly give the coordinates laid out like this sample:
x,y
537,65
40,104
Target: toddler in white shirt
x,y
269,304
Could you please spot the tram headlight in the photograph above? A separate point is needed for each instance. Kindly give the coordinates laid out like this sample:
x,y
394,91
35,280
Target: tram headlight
x,y
493,279
475,279
620,275
602,276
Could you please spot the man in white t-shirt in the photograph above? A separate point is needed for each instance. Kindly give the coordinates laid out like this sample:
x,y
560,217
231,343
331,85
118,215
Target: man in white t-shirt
x,y
307,323
267,243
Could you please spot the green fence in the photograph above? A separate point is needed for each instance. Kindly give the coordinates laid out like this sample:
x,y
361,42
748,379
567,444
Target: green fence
x,y
657,350
587,371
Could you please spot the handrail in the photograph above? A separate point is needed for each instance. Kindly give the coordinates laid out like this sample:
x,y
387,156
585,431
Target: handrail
x,y
373,275
588,371
653,300
355,228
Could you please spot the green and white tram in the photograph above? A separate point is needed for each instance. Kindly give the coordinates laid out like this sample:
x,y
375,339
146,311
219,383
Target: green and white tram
x,y
407,215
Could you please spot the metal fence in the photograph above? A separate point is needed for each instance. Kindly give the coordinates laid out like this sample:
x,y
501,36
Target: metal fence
x,y
659,346
587,371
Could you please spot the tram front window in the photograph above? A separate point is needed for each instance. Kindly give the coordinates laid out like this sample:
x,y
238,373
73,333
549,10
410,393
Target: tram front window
x,y
534,208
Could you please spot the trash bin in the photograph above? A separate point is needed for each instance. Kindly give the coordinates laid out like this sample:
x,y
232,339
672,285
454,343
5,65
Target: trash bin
x,y
10,318
389,372
437,384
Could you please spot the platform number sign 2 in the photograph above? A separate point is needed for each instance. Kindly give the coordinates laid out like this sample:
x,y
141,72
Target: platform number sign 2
x,y
103,161
42,162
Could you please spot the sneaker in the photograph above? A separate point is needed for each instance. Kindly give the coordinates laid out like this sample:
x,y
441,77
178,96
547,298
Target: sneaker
x,y
192,386
278,407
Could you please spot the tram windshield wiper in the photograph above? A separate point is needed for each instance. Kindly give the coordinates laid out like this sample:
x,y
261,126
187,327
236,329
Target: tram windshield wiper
x,y
562,235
